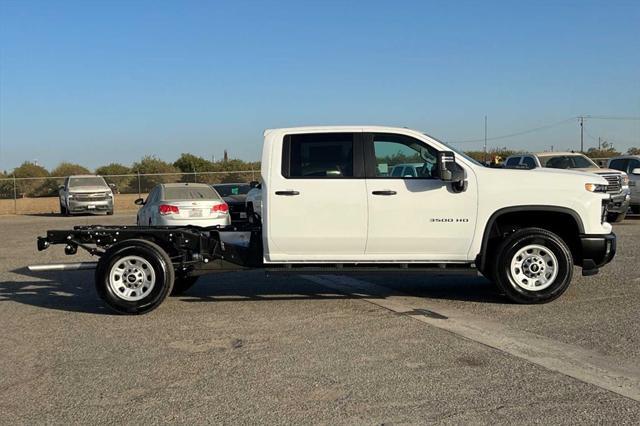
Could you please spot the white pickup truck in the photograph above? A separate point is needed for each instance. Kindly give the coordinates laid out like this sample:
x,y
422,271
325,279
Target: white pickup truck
x,y
329,203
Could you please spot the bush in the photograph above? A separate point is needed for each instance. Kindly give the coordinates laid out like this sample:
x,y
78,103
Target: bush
x,y
50,186
151,164
122,183
29,188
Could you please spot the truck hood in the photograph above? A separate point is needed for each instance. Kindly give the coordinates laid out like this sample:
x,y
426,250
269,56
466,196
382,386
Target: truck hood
x,y
535,176
599,171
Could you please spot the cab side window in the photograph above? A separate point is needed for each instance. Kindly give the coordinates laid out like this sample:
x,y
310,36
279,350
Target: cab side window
x,y
528,162
633,164
513,162
409,158
318,155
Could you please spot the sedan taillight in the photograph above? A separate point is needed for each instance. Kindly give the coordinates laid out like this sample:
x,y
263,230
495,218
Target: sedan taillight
x,y
220,208
165,209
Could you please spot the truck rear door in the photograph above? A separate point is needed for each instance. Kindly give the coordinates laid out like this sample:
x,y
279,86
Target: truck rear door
x,y
317,202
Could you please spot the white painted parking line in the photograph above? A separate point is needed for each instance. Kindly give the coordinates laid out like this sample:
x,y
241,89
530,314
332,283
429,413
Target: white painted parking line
x,y
588,366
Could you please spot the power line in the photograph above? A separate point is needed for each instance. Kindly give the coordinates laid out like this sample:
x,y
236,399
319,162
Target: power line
x,y
510,135
547,126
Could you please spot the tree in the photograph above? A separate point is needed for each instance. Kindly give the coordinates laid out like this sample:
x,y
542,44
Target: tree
x,y
6,185
606,150
153,165
65,169
50,186
122,183
633,151
29,170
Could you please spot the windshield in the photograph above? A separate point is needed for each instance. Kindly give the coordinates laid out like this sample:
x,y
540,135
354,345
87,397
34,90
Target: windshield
x,y
189,193
567,162
229,190
86,181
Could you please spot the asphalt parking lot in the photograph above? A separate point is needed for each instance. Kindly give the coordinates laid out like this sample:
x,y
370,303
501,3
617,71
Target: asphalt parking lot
x,y
249,348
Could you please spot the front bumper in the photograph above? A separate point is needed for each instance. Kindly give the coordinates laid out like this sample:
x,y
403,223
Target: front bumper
x,y
90,206
619,203
597,251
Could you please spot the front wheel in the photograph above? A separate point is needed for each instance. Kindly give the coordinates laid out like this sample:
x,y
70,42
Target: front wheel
x,y
134,276
533,265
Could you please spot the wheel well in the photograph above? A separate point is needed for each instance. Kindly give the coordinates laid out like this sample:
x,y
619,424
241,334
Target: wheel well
x,y
562,223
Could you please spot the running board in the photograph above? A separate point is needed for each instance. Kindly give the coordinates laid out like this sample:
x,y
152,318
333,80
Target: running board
x,y
332,268
80,266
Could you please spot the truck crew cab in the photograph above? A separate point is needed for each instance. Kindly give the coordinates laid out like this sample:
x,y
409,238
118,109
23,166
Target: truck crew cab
x,y
329,201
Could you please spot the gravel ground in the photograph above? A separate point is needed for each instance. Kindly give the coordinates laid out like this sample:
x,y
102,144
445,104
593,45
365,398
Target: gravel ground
x,y
246,348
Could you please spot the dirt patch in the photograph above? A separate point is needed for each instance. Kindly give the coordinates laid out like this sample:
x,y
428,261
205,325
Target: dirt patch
x,y
48,205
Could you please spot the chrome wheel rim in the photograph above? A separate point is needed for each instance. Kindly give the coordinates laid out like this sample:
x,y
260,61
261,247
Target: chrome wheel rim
x,y
534,268
132,278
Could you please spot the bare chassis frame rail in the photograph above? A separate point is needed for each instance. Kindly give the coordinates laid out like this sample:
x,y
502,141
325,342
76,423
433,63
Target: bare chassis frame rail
x,y
192,249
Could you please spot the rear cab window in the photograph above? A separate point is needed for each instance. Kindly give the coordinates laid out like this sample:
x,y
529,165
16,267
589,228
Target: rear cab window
x,y
319,156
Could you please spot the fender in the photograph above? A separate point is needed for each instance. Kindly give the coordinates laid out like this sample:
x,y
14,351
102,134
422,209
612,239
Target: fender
x,y
517,209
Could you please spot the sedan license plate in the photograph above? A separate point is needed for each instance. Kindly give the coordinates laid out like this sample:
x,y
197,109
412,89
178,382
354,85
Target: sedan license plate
x,y
243,215
195,213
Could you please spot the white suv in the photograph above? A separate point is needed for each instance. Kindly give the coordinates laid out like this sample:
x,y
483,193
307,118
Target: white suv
x,y
618,180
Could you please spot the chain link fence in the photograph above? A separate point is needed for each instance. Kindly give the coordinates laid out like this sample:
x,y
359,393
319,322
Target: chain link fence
x,y
19,195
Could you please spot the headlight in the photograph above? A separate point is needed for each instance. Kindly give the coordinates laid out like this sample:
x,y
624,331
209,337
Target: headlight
x,y
70,196
595,187
625,180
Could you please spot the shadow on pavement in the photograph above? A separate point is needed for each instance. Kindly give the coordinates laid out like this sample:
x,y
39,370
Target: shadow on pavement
x,y
74,291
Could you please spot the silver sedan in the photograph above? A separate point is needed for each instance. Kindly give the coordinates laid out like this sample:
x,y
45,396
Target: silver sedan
x,y
181,204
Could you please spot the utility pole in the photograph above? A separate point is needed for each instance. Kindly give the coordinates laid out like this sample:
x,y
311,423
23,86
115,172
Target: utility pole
x,y
581,134
485,139
599,145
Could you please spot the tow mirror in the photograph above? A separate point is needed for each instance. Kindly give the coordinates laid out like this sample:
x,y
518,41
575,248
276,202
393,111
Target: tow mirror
x,y
139,202
450,171
635,171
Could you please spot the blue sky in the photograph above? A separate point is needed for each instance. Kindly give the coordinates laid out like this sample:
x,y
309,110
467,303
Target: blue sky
x,y
102,81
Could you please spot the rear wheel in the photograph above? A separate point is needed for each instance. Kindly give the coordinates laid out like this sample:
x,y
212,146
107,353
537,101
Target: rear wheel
x,y
533,265
182,284
134,277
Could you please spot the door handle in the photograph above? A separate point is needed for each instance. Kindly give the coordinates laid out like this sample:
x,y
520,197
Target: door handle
x,y
385,192
287,193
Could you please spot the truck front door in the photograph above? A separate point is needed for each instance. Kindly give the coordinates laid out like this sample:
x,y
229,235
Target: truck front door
x,y
414,218
316,202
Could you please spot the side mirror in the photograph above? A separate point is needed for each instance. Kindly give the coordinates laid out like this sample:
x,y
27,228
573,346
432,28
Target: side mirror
x,y
254,184
448,169
635,172
139,202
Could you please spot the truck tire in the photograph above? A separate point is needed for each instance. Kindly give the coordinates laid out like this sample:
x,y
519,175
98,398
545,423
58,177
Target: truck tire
x,y
182,284
533,265
110,212
134,276
615,217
